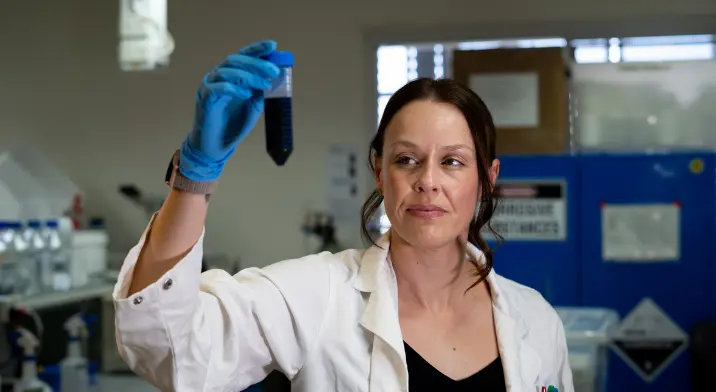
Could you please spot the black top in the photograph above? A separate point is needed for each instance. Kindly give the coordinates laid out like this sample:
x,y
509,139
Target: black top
x,y
425,378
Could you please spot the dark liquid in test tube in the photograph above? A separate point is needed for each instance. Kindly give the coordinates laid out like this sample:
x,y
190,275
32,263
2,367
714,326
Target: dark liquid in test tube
x,y
279,129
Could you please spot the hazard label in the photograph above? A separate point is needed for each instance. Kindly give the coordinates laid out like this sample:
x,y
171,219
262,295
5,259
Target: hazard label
x,y
648,340
530,210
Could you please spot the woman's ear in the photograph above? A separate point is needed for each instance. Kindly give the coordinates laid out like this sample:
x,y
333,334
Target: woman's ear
x,y
377,170
494,172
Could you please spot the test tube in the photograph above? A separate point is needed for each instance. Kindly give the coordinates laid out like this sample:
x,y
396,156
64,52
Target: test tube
x,y
278,109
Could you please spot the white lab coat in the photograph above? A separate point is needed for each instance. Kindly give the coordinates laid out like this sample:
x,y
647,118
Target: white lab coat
x,y
328,321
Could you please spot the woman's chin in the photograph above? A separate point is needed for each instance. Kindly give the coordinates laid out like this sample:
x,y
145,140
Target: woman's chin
x,y
428,238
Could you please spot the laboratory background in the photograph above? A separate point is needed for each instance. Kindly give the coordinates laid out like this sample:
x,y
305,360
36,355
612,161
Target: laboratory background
x,y
606,116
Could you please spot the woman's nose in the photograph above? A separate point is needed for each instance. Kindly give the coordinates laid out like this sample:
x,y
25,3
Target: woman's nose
x,y
426,180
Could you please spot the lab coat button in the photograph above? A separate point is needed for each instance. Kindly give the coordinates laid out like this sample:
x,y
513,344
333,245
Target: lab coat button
x,y
168,284
138,300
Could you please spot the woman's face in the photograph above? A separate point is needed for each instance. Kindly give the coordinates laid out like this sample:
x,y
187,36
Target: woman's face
x,y
428,174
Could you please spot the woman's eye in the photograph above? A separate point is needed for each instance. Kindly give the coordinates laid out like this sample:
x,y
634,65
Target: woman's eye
x,y
406,160
452,162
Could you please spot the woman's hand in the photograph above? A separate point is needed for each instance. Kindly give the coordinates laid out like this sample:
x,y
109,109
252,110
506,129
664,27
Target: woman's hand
x,y
228,105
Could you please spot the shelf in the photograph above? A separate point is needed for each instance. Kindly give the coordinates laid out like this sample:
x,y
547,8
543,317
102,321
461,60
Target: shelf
x,y
48,300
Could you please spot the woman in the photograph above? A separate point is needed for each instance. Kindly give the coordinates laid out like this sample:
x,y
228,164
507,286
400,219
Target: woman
x,y
422,309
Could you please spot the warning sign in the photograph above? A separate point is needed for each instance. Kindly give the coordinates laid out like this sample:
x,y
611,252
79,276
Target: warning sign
x,y
649,340
531,210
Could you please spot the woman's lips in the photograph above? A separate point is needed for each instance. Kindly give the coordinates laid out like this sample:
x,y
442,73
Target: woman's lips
x,y
426,211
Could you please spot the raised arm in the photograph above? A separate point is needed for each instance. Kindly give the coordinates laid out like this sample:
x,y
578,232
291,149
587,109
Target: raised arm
x,y
228,105
174,232
186,331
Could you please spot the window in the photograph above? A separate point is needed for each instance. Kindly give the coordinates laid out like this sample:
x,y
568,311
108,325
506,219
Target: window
x,y
641,49
395,66
399,64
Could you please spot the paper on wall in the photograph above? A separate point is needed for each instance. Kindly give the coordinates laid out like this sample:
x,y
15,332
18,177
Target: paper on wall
x,y
342,182
641,232
512,98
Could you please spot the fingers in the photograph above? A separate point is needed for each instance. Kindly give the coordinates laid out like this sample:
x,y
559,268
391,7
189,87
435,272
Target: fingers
x,y
242,75
239,77
260,67
259,49
225,89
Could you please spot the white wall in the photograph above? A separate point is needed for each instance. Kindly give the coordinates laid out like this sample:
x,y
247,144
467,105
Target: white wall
x,y
60,87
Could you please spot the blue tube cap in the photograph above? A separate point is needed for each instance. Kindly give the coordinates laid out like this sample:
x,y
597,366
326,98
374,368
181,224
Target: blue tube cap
x,y
280,59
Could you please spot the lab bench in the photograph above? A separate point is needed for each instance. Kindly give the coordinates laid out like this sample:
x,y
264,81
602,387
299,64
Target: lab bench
x,y
93,290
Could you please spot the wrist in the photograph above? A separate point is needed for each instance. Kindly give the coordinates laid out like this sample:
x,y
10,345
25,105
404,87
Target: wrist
x,y
196,167
201,184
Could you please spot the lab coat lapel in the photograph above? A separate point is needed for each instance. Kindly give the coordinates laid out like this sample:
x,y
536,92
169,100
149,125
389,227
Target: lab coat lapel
x,y
388,369
521,363
376,278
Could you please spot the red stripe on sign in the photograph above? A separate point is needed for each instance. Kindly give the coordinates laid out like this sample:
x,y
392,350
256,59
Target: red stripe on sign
x,y
514,191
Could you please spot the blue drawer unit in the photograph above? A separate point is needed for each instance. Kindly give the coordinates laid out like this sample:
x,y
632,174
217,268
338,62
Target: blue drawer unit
x,y
648,252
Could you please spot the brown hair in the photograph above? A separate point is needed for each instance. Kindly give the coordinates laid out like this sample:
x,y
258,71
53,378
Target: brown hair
x,y
482,128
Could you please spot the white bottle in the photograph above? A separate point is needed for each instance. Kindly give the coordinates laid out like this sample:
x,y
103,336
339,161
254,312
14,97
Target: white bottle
x,y
31,263
74,372
44,257
7,256
58,257
29,381
65,232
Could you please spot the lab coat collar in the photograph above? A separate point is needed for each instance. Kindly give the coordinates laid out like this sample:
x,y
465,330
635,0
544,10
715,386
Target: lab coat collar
x,y
376,276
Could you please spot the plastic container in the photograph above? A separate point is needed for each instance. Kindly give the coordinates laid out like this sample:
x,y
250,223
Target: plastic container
x,y
48,235
59,189
17,272
89,254
58,238
32,235
278,109
74,368
29,381
7,258
66,232
589,332
22,197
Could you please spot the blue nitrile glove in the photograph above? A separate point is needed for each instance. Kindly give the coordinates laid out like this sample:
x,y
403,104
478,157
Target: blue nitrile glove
x,y
228,105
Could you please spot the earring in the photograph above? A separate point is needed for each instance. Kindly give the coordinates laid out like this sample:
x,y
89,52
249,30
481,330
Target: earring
x,y
378,192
